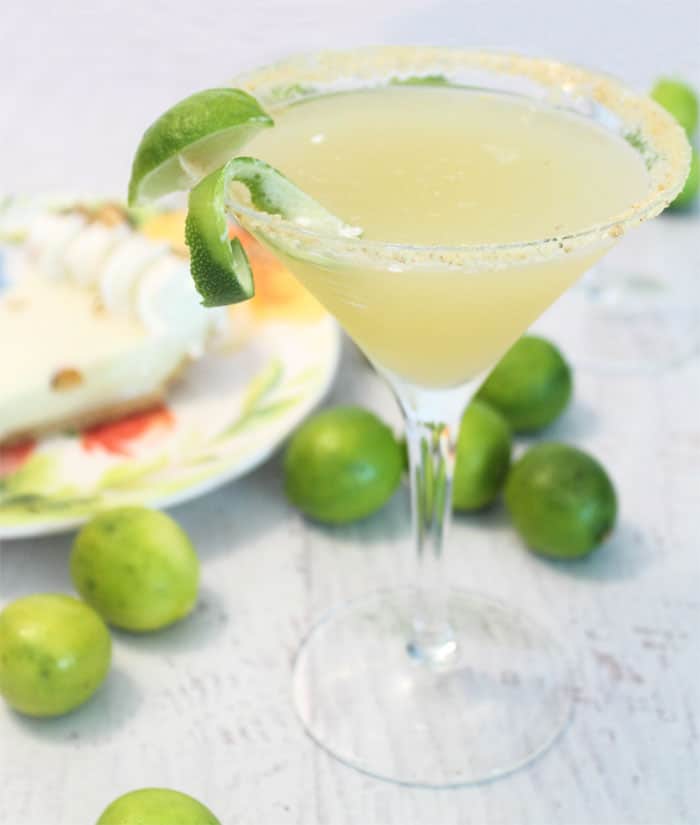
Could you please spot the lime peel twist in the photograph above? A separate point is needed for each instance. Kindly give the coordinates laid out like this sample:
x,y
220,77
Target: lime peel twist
x,y
219,265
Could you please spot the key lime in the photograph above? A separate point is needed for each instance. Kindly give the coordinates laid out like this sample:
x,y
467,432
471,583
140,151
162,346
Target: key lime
x,y
136,567
530,386
561,500
192,139
689,192
55,652
680,100
483,457
157,806
341,465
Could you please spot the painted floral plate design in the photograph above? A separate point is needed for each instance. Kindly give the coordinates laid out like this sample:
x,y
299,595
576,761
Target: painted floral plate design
x,y
225,416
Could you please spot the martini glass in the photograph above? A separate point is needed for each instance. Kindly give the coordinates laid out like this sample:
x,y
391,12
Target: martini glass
x,y
637,311
428,684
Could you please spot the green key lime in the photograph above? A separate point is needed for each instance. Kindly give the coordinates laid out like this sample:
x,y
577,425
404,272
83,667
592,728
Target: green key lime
x,y
341,465
530,386
680,100
191,140
55,652
689,192
561,500
136,567
483,457
157,806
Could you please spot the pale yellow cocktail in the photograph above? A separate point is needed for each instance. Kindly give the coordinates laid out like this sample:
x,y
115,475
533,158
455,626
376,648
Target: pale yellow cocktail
x,y
437,166
436,201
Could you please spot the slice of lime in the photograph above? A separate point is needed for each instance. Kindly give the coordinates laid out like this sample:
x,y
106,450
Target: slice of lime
x,y
219,265
191,140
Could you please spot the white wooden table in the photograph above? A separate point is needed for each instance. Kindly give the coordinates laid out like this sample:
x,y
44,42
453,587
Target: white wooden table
x,y
205,707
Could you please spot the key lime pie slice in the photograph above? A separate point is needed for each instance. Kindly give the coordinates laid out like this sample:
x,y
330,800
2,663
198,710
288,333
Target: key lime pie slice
x,y
97,320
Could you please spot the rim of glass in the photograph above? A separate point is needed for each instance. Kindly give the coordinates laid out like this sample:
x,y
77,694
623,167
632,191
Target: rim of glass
x,y
650,130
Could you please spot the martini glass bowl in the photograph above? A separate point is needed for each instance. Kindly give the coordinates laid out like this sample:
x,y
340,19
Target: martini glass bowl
x,y
429,684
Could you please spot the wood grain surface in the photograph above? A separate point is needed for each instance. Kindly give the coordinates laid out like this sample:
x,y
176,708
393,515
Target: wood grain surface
x,y
205,706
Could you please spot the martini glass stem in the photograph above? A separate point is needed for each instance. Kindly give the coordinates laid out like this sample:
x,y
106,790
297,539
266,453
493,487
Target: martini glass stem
x,y
432,428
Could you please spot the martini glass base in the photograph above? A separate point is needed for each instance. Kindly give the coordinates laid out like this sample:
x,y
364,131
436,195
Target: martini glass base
x,y
493,706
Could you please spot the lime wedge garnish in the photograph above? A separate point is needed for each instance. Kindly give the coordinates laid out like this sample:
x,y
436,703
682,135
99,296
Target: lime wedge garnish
x,y
191,140
182,150
219,265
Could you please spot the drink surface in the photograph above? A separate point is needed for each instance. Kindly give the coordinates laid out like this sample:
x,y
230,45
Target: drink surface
x,y
439,165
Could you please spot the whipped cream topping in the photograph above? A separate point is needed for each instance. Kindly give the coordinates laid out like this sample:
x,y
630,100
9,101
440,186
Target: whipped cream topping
x,y
95,301
132,277
86,255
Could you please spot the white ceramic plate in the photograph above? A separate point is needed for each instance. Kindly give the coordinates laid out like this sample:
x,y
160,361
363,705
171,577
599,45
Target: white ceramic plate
x,y
227,414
